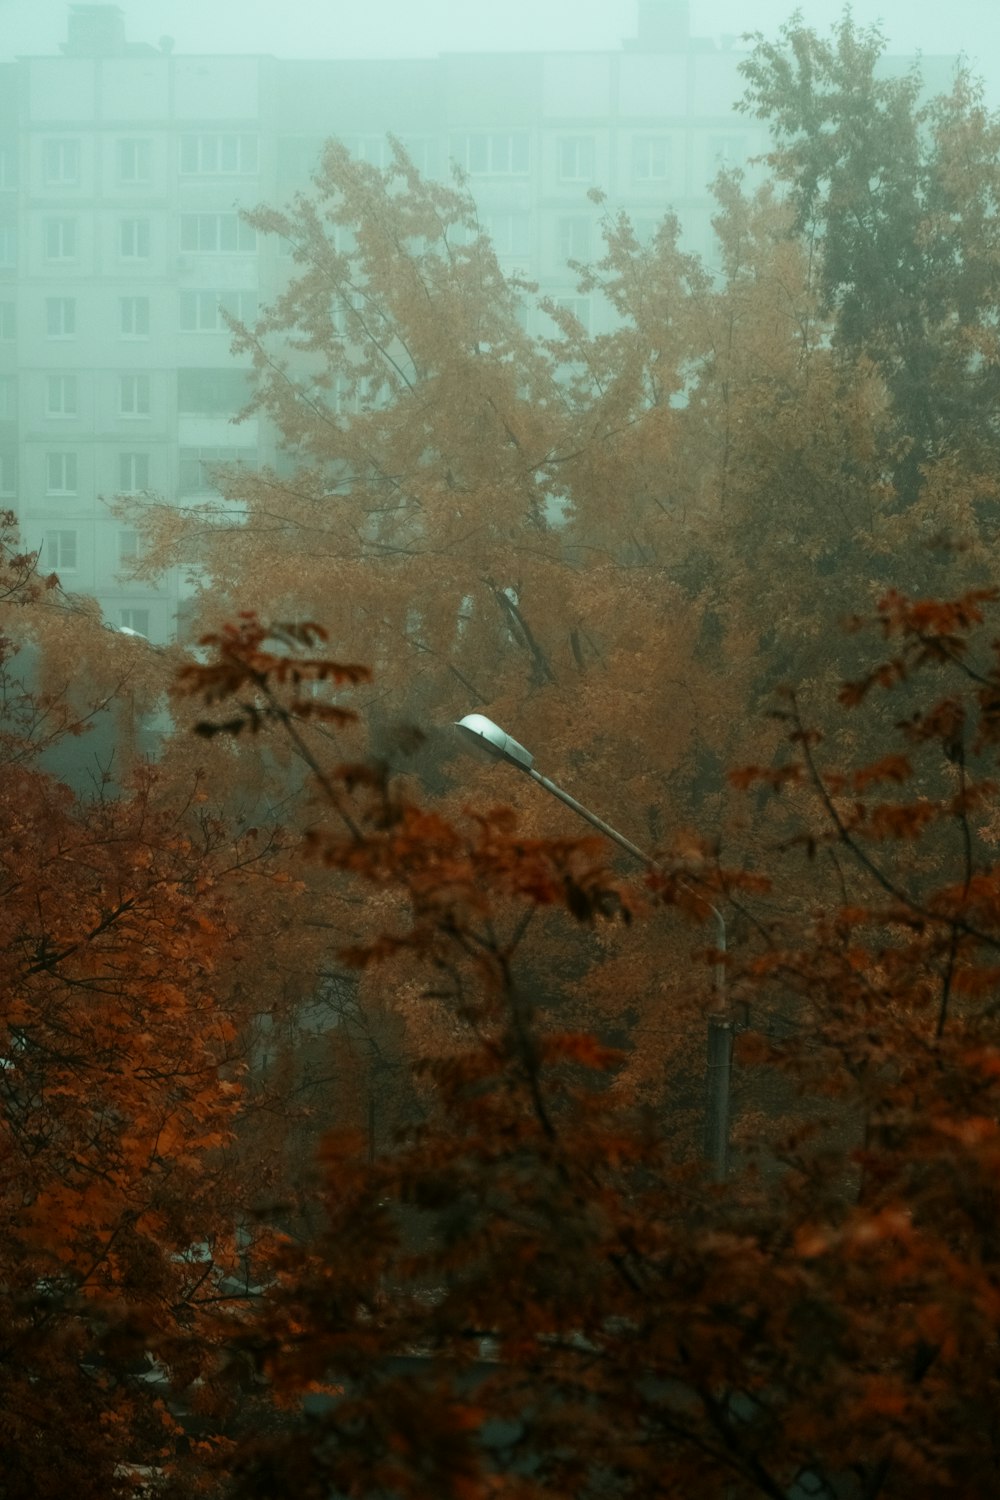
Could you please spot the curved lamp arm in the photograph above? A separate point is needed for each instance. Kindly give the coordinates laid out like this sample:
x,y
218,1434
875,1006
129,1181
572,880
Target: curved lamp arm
x,y
498,744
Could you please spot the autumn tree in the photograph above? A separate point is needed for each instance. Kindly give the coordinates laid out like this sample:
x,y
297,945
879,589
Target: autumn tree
x,y
528,1292
430,448
580,533
137,1132
721,437
440,503
897,192
525,517
618,544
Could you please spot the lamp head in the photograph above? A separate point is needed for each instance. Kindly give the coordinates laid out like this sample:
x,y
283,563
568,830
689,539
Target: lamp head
x,y
495,741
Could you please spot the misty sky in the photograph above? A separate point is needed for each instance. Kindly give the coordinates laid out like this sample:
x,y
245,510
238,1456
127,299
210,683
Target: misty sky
x,y
405,28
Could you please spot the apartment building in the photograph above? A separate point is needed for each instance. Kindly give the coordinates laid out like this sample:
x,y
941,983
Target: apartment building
x,y
123,167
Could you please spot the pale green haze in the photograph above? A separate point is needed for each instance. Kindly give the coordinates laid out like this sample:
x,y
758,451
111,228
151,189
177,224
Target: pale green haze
x,y
402,28
133,135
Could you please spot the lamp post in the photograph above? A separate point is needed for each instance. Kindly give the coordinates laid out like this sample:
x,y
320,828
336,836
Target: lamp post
x,y
719,1063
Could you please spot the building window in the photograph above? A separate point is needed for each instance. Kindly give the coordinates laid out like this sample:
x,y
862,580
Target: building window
x,y
135,160
212,393
60,396
344,311
500,154
218,155
509,233
128,547
133,395
578,308
60,474
216,234
134,619
651,158
422,151
8,247
727,150
374,149
134,239
133,317
197,466
8,322
61,163
201,311
576,158
574,238
60,317
59,551
348,394
8,398
8,472
59,239
133,473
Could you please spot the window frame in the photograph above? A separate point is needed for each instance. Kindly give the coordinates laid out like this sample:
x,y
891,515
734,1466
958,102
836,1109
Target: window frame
x,y
197,299
219,390
141,148
193,244
133,303
574,171
9,246
58,564
66,305
62,228
134,611
512,244
130,458
580,307
647,145
728,149
501,156
138,230
67,483
196,147
568,230
191,458
67,383
62,146
127,555
140,408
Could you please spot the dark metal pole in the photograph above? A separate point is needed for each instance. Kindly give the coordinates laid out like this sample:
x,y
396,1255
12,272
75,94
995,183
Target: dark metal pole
x,y
718,1080
592,818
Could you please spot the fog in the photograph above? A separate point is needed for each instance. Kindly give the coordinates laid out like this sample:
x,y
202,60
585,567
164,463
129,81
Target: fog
x,y
123,166
400,28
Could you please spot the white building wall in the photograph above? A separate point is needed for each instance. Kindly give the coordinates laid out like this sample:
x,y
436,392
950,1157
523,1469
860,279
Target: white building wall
x,y
144,152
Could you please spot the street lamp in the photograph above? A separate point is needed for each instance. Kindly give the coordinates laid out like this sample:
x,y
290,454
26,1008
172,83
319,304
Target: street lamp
x,y
719,1063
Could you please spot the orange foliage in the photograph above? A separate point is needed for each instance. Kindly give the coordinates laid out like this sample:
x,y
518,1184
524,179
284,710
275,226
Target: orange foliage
x,y
125,1198
528,1291
625,540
